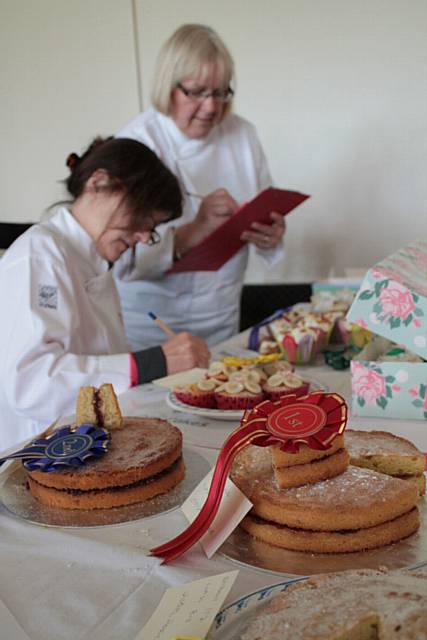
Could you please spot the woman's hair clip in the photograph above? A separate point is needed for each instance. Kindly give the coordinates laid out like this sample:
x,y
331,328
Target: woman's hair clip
x,y
72,160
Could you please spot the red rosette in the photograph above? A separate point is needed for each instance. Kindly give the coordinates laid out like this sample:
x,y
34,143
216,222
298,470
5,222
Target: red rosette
x,y
314,420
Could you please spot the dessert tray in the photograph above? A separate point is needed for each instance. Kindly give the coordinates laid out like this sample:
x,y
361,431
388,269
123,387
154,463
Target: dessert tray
x,y
231,621
247,551
231,414
16,499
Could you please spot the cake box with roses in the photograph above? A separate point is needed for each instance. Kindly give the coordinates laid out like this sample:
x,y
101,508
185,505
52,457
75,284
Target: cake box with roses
x,y
389,376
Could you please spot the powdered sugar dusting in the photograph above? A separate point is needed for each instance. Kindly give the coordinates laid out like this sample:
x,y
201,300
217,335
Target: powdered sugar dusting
x,y
329,606
252,472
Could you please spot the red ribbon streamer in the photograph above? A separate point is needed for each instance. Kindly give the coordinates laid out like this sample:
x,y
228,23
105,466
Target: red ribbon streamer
x,y
314,420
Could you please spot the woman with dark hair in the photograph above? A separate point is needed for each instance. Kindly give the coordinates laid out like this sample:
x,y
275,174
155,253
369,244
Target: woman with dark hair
x,y
61,325
219,161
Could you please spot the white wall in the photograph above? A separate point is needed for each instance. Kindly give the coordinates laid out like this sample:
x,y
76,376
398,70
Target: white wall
x,y
68,72
336,88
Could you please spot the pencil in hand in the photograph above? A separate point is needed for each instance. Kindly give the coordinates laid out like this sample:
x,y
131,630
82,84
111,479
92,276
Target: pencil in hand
x,y
194,195
162,325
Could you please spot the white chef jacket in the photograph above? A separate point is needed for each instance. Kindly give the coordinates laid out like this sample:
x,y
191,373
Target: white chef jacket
x,y
205,303
60,304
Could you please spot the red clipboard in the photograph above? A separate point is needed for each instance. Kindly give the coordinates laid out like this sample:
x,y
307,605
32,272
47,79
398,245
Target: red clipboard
x,y
224,242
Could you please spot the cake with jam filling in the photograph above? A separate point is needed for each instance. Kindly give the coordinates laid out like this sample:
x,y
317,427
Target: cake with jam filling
x,y
144,459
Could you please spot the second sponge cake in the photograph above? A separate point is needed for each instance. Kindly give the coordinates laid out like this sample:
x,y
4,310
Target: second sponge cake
x,y
356,510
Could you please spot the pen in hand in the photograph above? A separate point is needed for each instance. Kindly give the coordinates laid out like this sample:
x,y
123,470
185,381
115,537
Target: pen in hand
x,y
162,325
194,195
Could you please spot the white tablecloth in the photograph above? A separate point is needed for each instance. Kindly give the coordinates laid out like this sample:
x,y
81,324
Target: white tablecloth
x,y
98,583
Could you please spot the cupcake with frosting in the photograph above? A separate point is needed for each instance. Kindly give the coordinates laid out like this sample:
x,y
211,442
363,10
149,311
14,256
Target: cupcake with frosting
x,y
199,394
280,325
235,394
325,323
342,331
294,316
285,383
268,345
301,345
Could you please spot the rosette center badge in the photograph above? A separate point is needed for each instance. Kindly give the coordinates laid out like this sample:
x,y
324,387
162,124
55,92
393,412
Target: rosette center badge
x,y
69,445
296,420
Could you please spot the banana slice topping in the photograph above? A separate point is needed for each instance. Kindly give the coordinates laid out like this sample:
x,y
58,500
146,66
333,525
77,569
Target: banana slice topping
x,y
232,387
293,381
253,387
282,378
276,380
216,368
207,384
274,367
238,376
252,375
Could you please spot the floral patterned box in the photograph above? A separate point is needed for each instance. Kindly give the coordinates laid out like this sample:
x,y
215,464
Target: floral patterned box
x,y
392,302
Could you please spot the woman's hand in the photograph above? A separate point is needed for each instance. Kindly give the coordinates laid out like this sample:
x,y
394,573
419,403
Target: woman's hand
x,y
185,351
214,210
266,236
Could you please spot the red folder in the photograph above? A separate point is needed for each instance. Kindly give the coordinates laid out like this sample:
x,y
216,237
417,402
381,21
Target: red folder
x,y
224,242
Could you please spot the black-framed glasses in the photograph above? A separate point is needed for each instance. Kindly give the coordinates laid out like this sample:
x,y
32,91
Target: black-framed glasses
x,y
200,94
154,238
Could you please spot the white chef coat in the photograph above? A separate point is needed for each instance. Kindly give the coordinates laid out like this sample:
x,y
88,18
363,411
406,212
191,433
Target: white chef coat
x,y
205,303
60,304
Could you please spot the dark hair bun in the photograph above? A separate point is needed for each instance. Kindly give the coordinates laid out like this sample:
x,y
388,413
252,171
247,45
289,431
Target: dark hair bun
x,y
72,160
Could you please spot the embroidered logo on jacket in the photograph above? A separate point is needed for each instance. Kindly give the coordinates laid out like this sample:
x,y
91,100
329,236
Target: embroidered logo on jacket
x,y
48,296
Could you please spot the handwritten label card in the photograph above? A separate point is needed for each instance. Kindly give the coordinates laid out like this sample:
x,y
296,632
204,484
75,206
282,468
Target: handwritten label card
x,y
189,609
233,508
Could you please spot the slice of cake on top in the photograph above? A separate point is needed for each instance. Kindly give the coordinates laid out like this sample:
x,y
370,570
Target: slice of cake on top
x,y
309,465
99,406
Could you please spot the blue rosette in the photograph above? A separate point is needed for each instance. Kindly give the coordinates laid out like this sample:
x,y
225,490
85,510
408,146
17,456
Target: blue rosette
x,y
69,446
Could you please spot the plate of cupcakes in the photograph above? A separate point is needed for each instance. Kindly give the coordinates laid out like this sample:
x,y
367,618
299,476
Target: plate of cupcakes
x,y
223,392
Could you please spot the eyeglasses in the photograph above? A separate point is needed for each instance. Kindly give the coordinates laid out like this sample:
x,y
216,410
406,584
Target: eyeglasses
x,y
154,238
198,95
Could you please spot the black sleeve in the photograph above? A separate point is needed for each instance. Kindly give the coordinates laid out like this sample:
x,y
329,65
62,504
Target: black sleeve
x,y
150,363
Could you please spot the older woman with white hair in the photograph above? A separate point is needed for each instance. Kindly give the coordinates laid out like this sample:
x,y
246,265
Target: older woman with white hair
x,y
219,161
